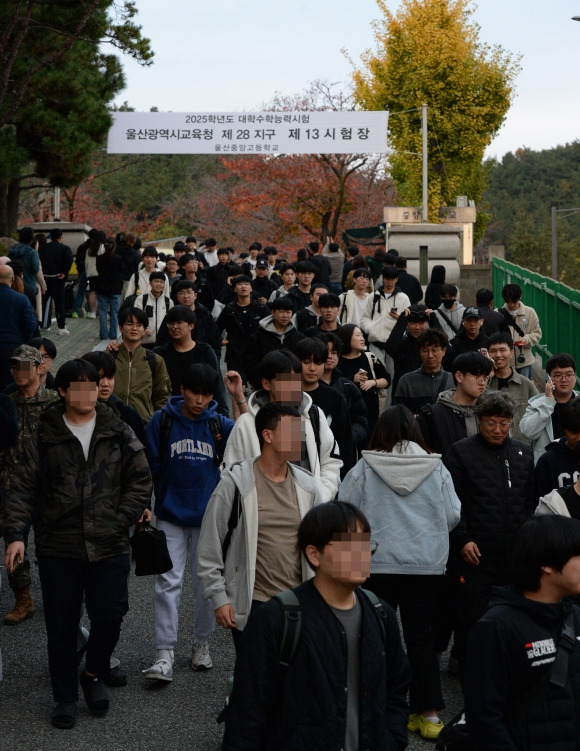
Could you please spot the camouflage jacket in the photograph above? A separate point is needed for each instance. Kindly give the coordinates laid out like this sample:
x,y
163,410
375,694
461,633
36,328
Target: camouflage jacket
x,y
29,411
79,508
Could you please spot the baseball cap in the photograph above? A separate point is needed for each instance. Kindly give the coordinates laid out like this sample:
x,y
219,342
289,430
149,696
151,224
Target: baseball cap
x,y
262,264
417,313
25,353
471,312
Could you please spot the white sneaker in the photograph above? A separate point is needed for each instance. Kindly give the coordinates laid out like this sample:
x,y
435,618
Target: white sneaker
x,y
91,315
162,670
200,658
63,332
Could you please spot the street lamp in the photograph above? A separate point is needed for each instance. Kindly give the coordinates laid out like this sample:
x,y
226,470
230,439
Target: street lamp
x,y
555,217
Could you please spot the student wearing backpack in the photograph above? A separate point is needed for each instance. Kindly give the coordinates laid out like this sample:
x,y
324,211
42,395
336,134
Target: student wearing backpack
x,y
142,380
186,441
248,545
156,306
344,691
522,674
279,375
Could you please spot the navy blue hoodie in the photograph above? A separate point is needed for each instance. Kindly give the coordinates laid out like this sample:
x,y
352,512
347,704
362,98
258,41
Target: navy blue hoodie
x,y
184,472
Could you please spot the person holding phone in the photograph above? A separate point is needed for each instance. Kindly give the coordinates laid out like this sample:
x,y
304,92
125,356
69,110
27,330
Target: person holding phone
x,y
541,421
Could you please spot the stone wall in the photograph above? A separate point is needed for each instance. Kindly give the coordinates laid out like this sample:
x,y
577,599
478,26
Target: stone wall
x,y
471,278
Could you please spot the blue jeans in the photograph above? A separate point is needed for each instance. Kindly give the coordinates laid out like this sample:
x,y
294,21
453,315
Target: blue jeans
x,y
336,287
526,371
108,303
80,295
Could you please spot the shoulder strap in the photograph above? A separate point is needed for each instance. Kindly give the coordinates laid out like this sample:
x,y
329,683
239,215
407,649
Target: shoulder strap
x,y
511,321
164,433
314,415
379,610
448,321
559,674
150,357
343,309
136,279
167,304
232,523
215,427
370,358
292,614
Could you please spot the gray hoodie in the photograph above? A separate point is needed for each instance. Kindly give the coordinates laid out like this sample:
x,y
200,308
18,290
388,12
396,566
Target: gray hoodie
x,y
267,324
410,501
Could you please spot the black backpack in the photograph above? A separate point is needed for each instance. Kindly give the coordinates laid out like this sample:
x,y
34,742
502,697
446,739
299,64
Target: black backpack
x,y
292,615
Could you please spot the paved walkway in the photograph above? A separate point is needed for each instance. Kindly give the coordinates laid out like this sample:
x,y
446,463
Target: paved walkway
x,y
84,337
145,715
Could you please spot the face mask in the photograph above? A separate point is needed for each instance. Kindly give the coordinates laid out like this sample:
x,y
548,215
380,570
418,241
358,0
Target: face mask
x,y
449,303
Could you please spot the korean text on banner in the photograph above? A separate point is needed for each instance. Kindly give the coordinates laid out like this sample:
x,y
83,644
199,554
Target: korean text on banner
x,y
248,133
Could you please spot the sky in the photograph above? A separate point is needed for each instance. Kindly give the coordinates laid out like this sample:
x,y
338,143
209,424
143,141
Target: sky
x,y
226,55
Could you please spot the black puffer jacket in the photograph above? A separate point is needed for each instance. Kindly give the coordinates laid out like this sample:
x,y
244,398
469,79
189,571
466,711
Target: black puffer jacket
x,y
305,708
79,509
497,490
512,648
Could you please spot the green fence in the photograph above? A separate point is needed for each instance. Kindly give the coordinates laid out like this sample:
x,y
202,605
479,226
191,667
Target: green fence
x,y
557,306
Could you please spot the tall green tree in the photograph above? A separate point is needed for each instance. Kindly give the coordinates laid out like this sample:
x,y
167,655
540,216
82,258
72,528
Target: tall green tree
x,y
429,52
522,188
56,80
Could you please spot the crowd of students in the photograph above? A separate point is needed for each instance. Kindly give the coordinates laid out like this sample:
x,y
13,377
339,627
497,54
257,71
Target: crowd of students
x,y
352,419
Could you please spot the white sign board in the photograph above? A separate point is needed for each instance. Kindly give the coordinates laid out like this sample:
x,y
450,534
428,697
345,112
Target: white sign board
x,y
248,133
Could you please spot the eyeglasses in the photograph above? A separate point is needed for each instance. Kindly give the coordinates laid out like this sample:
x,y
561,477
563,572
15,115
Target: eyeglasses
x,y
46,358
479,378
491,423
430,350
562,376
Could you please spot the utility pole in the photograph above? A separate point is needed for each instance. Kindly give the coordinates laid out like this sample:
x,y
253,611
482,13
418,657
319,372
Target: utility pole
x,y
554,241
425,165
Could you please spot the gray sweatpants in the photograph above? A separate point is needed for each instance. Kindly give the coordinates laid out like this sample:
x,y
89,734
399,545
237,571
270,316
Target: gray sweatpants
x,y
168,589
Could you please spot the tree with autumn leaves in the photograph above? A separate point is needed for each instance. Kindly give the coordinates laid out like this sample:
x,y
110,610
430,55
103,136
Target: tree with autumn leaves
x,y
429,51
291,199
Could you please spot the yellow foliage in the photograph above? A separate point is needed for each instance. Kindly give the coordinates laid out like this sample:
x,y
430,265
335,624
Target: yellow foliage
x,y
429,52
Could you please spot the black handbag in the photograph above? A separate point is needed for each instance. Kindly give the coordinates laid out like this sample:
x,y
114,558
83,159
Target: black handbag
x,y
150,553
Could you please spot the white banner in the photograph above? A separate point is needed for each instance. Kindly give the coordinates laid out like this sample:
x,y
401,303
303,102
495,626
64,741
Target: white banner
x,y
248,133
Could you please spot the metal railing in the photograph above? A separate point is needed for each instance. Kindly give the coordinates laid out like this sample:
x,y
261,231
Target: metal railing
x,y
557,306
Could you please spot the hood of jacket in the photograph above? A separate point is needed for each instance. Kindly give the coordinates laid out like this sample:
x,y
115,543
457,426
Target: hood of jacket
x,y
54,429
173,408
446,398
261,397
404,468
267,324
559,447
243,476
20,249
553,503
550,615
